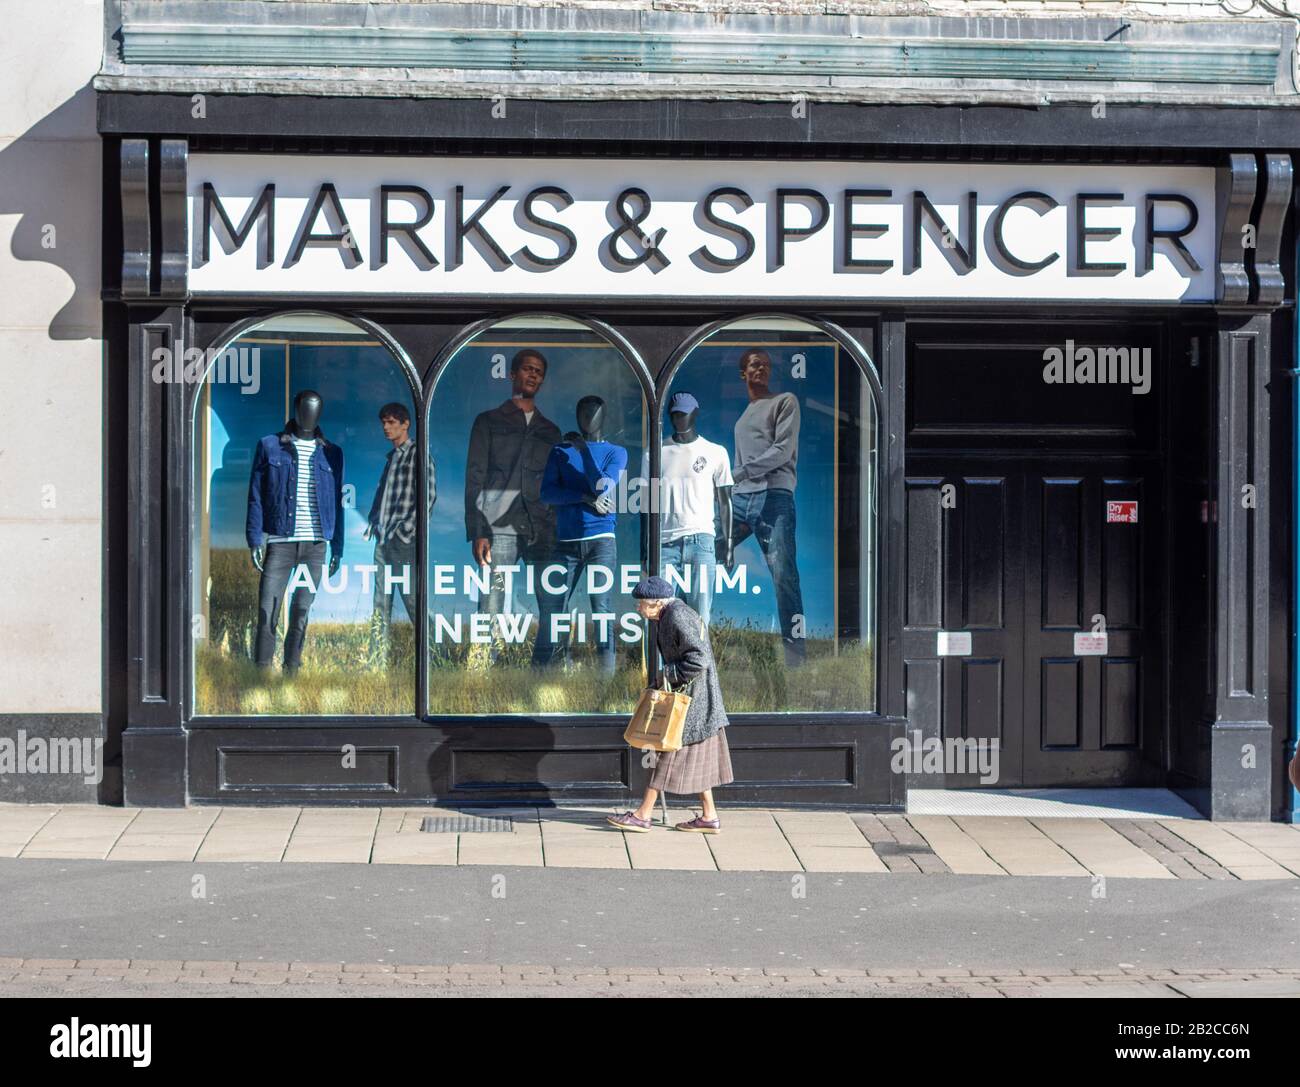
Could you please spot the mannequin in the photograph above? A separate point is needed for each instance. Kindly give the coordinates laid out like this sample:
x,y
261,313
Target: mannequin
x,y
684,432
295,508
766,473
695,488
307,408
506,521
581,480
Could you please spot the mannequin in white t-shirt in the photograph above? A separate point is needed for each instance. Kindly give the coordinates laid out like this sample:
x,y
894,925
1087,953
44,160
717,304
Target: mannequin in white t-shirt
x,y
694,482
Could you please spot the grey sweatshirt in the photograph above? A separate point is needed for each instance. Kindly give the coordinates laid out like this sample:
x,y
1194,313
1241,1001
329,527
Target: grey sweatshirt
x,y
767,444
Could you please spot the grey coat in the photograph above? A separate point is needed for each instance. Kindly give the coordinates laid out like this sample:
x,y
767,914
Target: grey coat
x,y
687,655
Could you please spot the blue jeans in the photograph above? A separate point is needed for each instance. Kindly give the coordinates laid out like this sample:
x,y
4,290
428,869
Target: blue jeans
x,y
692,556
578,558
509,550
399,557
769,516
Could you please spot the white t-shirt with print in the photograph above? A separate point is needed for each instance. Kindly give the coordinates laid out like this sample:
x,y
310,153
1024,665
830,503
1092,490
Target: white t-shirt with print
x,y
689,473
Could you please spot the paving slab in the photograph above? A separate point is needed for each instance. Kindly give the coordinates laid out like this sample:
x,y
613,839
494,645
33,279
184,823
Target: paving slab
x,y
757,849
671,850
242,834
828,842
19,824
414,849
952,845
80,832
1279,842
522,846
164,835
1239,857
584,841
1018,846
1101,849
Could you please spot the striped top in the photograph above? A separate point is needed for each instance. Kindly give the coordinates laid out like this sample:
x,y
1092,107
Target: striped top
x,y
306,512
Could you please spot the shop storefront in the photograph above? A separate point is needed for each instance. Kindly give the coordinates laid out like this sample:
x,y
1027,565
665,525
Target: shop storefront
x,y
974,438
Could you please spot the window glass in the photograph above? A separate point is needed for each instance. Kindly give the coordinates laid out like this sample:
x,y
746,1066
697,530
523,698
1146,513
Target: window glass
x,y
767,523
306,505
535,541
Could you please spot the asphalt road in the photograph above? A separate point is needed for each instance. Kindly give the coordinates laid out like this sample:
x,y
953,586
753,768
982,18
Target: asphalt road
x,y
574,917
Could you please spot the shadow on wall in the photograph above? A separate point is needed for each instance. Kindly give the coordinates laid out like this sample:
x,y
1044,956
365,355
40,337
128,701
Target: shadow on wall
x,y
51,178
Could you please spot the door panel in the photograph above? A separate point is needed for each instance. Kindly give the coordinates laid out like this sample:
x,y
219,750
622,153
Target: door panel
x,y
1023,559
964,574
1084,715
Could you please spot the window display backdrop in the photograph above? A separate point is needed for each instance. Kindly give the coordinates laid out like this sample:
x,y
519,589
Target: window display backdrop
x,y
484,650
791,624
350,664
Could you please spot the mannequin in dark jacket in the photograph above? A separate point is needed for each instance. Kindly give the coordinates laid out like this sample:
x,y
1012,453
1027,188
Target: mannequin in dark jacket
x,y
295,505
506,521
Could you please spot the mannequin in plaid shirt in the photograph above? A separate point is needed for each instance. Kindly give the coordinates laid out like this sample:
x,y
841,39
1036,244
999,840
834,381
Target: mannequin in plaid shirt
x,y
391,525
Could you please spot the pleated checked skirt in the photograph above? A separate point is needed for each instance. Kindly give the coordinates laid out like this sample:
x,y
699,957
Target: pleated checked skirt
x,y
695,767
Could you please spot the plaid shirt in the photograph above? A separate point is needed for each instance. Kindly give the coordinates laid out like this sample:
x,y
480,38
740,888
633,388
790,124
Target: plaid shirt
x,y
395,508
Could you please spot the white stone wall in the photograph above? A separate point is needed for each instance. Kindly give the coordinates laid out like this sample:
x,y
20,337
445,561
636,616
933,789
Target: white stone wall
x,y
51,359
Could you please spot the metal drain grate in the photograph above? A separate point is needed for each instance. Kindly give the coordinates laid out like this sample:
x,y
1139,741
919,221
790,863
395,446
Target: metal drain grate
x,y
467,824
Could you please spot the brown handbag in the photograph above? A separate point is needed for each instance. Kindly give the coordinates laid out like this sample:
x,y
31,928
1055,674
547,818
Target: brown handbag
x,y
1294,771
658,719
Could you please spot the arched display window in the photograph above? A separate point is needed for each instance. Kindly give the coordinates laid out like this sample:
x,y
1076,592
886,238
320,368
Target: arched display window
x,y
767,518
535,424
304,433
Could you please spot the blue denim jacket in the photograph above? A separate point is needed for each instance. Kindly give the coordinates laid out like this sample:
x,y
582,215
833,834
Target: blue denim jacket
x,y
273,487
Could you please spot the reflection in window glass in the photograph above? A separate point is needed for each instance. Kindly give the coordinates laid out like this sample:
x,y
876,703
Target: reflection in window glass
x,y
536,543
306,507
767,482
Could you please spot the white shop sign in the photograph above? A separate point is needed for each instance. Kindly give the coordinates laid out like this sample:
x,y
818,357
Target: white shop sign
x,y
319,225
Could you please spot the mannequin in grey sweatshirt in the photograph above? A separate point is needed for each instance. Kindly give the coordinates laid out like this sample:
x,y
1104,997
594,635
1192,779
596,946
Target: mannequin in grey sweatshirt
x,y
767,456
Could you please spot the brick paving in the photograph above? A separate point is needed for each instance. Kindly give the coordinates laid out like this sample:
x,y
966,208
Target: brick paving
x,y
752,840
82,975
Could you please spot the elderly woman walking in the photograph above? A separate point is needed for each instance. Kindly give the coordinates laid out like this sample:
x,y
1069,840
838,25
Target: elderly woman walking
x,y
703,761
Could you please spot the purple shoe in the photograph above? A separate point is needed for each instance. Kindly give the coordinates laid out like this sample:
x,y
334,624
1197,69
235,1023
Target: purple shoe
x,y
628,821
702,826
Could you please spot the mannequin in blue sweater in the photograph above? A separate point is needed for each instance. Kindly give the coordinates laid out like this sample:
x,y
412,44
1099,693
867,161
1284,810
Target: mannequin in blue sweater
x,y
580,481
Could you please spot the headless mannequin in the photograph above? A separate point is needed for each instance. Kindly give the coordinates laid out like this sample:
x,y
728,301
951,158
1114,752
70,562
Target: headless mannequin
x,y
591,423
307,406
684,431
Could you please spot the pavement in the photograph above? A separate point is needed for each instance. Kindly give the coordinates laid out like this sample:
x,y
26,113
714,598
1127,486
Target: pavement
x,y
195,929
753,840
238,901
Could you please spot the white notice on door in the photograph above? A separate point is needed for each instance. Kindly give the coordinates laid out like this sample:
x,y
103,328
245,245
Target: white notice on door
x,y
954,643
1088,644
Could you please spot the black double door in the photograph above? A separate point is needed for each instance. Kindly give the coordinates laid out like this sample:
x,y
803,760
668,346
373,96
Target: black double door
x,y
1011,557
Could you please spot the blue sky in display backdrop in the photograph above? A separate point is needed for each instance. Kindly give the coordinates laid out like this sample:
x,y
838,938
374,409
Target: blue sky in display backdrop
x,y
354,380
